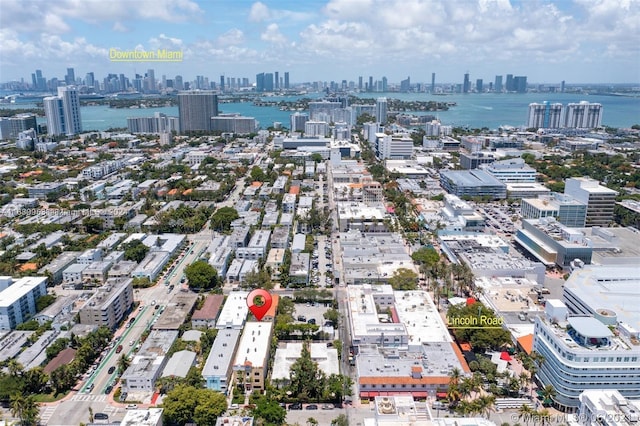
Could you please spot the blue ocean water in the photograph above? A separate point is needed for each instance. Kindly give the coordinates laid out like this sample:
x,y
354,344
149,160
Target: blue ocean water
x,y
472,110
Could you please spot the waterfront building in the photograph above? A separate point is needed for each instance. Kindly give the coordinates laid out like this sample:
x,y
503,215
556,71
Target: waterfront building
x,y
583,115
196,108
381,110
63,112
545,115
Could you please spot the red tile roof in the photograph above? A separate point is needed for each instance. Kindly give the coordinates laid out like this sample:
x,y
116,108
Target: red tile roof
x,y
63,358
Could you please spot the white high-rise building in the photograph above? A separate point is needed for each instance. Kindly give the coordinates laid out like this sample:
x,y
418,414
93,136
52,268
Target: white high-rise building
x,y
599,199
583,115
381,110
545,115
63,112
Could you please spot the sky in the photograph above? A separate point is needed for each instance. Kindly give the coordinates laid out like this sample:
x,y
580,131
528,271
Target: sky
x,y
579,41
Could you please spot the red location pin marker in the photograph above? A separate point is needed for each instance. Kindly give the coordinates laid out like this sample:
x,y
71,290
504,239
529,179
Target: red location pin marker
x,y
259,302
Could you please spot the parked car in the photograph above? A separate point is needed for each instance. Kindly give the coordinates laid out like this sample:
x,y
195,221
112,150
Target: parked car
x,y
312,407
100,416
327,406
302,318
132,407
295,406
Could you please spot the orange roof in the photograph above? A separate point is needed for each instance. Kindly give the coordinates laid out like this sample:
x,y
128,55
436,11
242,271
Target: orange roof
x,y
29,267
355,185
295,190
256,183
398,380
274,306
526,342
465,347
187,192
463,362
416,369
174,191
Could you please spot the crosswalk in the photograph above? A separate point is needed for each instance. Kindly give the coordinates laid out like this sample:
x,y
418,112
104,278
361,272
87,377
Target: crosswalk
x,y
47,413
93,398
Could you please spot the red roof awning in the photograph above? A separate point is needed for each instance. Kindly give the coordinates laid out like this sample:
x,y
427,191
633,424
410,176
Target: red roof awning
x,y
368,394
471,301
441,395
505,356
419,394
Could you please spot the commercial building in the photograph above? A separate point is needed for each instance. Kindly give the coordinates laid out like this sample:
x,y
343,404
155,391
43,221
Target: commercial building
x,y
148,362
599,406
217,370
18,299
109,305
553,243
510,171
472,183
582,353
461,216
519,190
397,146
196,108
567,210
408,353
63,112
252,357
599,199
366,217
488,256
473,160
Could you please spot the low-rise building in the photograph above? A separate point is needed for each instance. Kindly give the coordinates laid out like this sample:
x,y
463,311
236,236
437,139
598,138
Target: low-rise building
x,y
288,353
96,272
179,364
149,362
234,312
206,316
217,370
472,183
252,357
56,267
299,269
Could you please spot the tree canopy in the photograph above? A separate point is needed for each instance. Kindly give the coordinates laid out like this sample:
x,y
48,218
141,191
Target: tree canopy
x,y
222,218
135,250
185,404
487,331
201,275
404,279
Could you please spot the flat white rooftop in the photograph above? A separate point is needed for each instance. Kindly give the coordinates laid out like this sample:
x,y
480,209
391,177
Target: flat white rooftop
x,y
418,313
254,344
234,312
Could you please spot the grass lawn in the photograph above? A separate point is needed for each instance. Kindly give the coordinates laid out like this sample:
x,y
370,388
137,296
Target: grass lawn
x,y
48,397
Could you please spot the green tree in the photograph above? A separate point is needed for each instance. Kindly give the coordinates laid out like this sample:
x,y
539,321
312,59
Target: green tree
x,y
93,225
185,404
201,275
332,315
307,381
269,411
487,335
123,363
341,420
222,218
44,301
257,174
426,256
135,250
25,408
258,279
404,279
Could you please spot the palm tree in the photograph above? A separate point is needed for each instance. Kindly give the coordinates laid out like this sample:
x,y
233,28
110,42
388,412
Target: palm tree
x,y
123,363
548,393
525,412
26,409
544,416
15,368
454,376
486,402
312,422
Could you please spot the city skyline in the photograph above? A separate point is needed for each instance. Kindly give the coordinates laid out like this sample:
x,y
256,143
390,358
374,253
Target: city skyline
x,y
547,41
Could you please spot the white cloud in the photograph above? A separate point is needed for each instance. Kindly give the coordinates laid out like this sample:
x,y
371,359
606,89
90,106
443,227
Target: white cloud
x,y
273,35
119,28
233,37
259,12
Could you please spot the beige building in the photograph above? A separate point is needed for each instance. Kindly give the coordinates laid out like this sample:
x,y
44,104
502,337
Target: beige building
x,y
108,306
252,357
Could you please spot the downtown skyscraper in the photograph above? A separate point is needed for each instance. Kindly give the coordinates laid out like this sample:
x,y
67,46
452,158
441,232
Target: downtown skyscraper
x,y
63,112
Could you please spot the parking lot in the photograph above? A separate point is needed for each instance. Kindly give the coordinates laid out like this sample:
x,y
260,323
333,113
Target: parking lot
x,y
310,312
